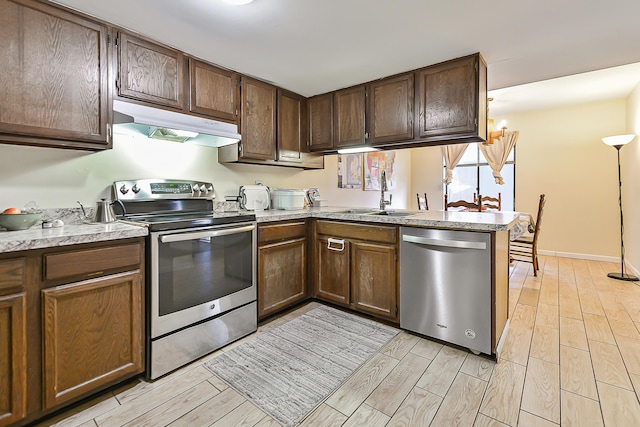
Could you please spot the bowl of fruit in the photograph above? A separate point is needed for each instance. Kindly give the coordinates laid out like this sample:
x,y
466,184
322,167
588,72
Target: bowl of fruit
x,y
15,219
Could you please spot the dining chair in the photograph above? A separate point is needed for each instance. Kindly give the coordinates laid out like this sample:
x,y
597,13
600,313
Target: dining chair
x,y
477,206
423,202
525,248
489,202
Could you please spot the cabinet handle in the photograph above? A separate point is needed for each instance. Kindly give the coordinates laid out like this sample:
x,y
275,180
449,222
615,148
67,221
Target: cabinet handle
x,y
336,242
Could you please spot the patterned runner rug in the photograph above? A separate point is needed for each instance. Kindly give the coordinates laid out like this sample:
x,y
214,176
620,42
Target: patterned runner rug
x,y
289,370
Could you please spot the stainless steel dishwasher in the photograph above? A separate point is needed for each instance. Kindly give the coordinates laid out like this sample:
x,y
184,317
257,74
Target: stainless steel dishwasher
x,y
445,286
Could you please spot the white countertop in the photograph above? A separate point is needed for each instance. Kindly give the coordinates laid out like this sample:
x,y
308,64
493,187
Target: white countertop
x,y
474,221
71,234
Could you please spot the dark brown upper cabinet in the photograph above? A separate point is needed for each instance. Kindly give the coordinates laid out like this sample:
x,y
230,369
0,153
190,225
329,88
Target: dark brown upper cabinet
x,y
390,112
349,114
320,122
214,91
452,99
149,72
258,122
53,77
292,129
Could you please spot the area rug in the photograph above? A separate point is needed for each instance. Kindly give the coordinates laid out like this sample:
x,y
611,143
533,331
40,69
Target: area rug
x,y
289,370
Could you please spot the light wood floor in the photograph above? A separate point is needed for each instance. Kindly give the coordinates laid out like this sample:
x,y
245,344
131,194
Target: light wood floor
x,y
571,358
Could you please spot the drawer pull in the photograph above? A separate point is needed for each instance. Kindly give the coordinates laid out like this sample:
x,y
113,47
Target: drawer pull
x,y
340,242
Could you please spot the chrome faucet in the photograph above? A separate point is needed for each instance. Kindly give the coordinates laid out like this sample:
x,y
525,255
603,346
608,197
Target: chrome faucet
x,y
383,188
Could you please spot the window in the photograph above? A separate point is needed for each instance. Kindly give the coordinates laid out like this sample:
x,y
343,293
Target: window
x,y
474,175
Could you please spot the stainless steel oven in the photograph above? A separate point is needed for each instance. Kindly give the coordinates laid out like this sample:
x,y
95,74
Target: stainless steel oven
x,y
201,271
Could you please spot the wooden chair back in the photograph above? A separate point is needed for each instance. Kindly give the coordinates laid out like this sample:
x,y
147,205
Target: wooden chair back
x,y
526,248
423,202
489,202
477,206
536,229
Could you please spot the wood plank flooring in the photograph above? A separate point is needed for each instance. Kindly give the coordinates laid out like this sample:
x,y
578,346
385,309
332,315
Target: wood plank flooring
x,y
571,358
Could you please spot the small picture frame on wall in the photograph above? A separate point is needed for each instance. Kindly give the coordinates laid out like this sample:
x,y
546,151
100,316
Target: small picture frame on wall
x,y
374,164
350,171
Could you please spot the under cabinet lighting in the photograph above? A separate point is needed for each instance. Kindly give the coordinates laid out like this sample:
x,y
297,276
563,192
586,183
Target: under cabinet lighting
x,y
356,150
238,2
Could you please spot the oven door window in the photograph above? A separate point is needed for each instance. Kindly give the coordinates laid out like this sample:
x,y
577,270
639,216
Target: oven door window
x,y
203,269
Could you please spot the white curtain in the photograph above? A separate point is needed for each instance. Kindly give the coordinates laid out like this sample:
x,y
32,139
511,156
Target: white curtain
x,y
497,153
452,155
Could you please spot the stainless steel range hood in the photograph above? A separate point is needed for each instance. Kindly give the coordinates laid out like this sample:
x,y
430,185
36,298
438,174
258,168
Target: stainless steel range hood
x,y
135,119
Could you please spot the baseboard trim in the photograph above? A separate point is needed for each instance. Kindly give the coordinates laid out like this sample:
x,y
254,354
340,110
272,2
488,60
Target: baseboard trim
x,y
580,256
590,257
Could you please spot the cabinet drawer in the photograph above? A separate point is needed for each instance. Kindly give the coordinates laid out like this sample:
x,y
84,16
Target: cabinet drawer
x,y
349,230
12,273
91,262
277,232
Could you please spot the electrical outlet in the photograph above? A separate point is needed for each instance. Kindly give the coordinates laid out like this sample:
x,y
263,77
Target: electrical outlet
x,y
259,182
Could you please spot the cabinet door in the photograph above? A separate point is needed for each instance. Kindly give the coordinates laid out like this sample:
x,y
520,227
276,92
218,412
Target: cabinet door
x,y
349,116
13,358
53,77
374,280
149,72
321,122
281,275
448,98
292,130
214,91
390,112
332,265
258,121
92,335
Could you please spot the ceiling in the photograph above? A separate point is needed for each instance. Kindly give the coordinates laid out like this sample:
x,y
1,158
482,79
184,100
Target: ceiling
x,y
315,46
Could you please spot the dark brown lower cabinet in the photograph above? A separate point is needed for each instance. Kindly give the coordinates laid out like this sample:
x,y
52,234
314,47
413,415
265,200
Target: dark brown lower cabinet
x,y
282,266
373,279
357,266
333,270
92,335
71,325
13,358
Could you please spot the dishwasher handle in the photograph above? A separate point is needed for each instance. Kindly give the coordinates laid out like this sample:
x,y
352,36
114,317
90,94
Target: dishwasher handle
x,y
463,244
340,242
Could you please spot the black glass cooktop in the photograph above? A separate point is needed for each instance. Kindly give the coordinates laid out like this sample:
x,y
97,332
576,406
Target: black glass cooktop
x,y
176,221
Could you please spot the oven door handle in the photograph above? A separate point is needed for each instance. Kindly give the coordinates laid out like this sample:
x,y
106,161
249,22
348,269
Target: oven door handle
x,y
203,234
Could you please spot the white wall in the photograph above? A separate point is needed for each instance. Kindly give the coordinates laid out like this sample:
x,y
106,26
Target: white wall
x,y
560,153
57,178
426,176
630,158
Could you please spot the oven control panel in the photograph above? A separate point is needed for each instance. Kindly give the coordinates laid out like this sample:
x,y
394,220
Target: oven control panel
x,y
150,189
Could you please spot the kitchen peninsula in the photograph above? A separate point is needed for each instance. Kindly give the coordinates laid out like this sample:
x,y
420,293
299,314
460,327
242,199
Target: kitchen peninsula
x,y
50,277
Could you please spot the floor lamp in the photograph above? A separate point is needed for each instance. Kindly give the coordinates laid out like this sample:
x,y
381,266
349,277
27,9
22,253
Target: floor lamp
x,y
617,142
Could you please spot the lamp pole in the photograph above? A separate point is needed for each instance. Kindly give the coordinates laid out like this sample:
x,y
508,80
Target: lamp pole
x,y
617,142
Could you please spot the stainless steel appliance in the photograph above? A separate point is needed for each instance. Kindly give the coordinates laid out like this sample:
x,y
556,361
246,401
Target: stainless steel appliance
x,y
201,270
445,286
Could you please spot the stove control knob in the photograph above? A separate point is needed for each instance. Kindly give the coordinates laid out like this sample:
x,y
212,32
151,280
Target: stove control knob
x,y
124,189
196,189
135,188
210,188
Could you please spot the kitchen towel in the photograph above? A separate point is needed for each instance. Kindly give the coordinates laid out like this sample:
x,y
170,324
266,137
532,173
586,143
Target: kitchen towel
x,y
289,370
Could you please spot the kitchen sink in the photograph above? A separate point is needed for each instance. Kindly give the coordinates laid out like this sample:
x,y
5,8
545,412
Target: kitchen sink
x,y
360,211
377,212
391,213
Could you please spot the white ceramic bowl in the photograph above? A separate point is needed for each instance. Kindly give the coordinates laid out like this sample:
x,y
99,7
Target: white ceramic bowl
x,y
20,221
